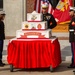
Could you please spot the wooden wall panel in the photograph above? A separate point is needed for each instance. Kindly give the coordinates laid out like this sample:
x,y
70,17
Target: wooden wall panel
x,y
30,6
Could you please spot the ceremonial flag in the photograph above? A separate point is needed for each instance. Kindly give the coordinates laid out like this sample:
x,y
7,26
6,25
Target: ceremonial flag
x,y
70,2
38,3
54,3
61,13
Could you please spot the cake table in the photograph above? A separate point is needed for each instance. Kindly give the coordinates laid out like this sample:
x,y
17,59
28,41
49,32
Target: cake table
x,y
34,53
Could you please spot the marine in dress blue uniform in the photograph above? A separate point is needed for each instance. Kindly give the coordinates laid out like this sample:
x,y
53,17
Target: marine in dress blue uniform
x,y
51,22
2,35
72,37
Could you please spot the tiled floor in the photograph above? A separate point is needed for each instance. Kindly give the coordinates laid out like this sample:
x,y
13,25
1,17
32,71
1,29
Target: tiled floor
x,y
60,70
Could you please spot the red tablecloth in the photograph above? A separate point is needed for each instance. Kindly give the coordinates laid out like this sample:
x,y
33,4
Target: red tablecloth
x,y
34,54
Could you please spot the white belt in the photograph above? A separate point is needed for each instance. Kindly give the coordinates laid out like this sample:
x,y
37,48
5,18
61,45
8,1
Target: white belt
x,y
71,30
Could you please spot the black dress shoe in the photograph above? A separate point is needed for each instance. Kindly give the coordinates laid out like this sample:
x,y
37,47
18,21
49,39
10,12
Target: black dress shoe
x,y
71,66
74,71
1,64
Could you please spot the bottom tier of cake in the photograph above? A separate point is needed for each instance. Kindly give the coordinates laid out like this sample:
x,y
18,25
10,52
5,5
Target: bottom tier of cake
x,y
33,33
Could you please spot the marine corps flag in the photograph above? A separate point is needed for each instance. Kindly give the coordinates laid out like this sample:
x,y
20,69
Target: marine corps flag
x,y
61,13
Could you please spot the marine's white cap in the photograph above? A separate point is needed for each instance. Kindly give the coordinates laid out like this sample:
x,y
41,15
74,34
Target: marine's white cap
x,y
72,8
2,12
45,5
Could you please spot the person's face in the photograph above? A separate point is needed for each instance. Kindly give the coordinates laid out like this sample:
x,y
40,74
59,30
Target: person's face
x,y
44,10
2,17
71,13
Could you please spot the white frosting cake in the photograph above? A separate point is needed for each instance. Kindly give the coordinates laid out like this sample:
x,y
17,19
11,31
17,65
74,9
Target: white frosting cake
x,y
34,25
33,33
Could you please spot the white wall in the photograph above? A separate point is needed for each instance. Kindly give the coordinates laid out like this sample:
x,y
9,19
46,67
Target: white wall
x,y
14,15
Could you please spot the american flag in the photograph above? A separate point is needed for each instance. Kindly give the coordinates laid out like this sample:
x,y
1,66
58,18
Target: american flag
x,y
38,3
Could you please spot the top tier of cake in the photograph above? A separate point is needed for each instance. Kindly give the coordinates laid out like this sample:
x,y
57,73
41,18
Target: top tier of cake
x,y
34,17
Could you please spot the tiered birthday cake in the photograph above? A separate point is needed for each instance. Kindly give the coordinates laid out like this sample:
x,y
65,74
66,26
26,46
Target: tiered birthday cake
x,y
34,27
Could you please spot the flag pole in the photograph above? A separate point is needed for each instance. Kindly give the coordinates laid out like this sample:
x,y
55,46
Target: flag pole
x,y
24,10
